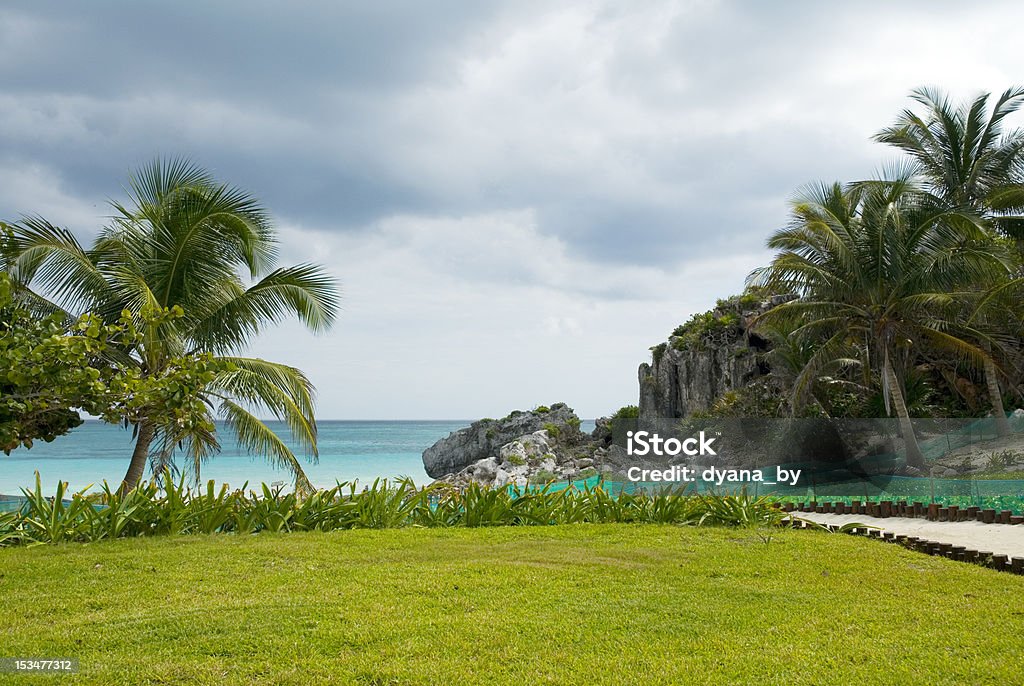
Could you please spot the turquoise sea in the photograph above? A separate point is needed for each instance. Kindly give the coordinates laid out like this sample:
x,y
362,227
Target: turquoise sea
x,y
349,450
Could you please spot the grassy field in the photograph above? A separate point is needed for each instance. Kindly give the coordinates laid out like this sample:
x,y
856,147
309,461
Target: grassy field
x,y
581,604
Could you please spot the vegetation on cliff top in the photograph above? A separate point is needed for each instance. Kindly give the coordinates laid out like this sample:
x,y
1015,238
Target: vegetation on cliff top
x,y
909,289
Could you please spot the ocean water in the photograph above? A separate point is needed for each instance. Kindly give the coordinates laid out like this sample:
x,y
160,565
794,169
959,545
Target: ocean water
x,y
349,450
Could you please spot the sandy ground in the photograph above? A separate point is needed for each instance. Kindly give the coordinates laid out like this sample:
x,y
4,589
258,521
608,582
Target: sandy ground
x,y
998,539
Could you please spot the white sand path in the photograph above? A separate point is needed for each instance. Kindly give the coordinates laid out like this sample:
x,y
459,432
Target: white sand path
x,y
998,539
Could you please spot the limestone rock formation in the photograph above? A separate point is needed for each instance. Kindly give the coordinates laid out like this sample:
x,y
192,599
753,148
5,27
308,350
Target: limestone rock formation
x,y
687,376
487,437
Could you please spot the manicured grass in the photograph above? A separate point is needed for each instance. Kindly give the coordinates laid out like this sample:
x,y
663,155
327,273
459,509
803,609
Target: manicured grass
x,y
578,604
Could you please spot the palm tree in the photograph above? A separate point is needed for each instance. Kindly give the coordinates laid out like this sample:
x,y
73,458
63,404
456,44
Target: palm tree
x,y
878,267
966,159
186,241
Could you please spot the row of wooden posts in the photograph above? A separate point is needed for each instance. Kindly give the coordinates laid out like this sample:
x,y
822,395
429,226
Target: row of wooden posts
x,y
890,508
1003,563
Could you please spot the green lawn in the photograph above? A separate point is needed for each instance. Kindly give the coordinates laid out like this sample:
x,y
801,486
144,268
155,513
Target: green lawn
x,y
582,604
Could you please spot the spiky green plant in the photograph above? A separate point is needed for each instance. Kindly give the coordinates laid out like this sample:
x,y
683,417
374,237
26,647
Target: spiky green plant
x,y
739,509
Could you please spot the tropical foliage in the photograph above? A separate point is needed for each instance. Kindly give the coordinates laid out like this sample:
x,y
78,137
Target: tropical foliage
x,y
881,270
908,290
168,508
51,368
966,160
206,251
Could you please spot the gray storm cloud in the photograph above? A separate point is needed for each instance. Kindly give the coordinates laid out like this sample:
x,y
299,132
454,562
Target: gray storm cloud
x,y
551,186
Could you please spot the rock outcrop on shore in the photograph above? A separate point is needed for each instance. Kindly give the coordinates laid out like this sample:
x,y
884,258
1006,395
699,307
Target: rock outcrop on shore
x,y
538,446
485,438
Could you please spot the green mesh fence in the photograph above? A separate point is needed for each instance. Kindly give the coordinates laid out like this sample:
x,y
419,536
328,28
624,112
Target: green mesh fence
x,y
986,493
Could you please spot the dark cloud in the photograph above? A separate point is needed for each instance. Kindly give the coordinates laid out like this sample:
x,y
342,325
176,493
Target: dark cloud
x,y
639,133
555,185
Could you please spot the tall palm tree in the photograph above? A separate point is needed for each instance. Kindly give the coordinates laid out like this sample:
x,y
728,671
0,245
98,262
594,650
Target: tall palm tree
x,y
967,160
187,241
877,267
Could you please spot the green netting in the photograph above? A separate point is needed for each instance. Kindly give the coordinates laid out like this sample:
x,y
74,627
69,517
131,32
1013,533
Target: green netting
x,y
998,494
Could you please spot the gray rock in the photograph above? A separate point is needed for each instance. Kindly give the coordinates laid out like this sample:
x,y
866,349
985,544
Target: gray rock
x,y
529,449
677,383
602,433
485,438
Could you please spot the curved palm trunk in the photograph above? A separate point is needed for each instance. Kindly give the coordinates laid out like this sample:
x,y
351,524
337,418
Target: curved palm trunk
x,y
138,464
915,458
996,398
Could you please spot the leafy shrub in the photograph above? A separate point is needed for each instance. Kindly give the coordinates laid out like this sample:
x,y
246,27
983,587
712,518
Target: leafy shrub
x,y
627,413
658,351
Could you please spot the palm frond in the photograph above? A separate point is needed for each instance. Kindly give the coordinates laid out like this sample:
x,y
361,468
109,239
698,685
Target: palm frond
x,y
256,437
280,389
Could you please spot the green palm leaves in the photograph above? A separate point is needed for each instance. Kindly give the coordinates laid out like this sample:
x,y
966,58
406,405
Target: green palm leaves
x,y
184,240
966,159
892,271
964,154
882,269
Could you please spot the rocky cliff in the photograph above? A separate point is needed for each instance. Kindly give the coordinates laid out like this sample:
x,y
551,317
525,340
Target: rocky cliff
x,y
711,354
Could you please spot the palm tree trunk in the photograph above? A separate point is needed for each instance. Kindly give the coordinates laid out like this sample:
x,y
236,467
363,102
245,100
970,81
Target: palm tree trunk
x,y
996,398
138,464
915,458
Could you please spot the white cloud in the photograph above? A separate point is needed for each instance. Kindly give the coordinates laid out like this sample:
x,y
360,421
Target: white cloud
x,y
27,188
436,324
518,203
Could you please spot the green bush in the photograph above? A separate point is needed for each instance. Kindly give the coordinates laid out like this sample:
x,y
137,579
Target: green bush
x,y
626,412
553,429
658,351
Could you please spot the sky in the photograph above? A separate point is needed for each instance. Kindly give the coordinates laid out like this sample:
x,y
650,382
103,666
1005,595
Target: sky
x,y
518,198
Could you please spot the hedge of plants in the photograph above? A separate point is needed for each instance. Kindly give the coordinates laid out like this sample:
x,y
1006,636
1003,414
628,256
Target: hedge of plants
x,y
168,509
